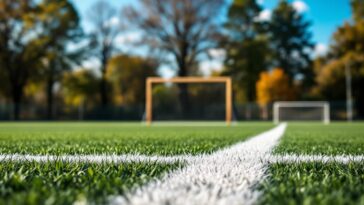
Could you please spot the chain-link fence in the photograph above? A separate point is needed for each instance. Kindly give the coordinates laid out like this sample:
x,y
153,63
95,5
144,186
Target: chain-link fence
x,y
202,111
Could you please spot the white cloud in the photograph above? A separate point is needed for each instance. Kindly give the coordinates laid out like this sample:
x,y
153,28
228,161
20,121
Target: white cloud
x,y
128,38
300,6
113,21
261,2
264,15
321,49
92,63
217,53
207,67
166,72
215,63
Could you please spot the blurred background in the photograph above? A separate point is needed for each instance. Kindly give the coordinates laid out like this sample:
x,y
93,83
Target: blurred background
x,y
88,60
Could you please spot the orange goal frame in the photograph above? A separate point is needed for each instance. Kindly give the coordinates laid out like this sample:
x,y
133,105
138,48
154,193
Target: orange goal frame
x,y
188,80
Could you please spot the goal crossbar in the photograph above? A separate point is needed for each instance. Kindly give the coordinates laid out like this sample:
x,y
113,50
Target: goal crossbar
x,y
302,104
189,80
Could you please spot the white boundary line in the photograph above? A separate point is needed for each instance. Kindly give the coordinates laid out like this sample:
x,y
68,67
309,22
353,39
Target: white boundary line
x,y
224,177
227,176
294,158
117,159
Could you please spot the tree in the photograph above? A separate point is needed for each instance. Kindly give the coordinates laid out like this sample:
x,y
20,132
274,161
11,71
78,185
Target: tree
x,y
347,49
105,22
273,86
291,41
127,75
22,45
358,10
185,30
79,87
247,47
63,26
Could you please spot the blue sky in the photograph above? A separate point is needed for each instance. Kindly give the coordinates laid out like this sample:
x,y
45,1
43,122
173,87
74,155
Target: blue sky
x,y
325,16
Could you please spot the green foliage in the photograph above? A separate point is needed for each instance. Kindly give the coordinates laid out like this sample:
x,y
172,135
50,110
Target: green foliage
x,y
66,183
79,86
247,49
128,76
62,26
347,49
358,10
291,41
333,139
117,138
32,33
314,183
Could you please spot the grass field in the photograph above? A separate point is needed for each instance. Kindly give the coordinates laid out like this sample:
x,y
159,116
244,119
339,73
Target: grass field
x,y
315,138
120,138
63,183
318,183
66,183
59,182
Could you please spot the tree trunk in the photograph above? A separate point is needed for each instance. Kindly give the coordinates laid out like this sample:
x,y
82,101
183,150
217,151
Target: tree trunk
x,y
50,85
17,93
183,92
103,90
103,82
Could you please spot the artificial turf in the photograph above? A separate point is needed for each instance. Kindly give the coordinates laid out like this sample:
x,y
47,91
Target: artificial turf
x,y
120,138
314,183
72,183
316,138
317,182
67,183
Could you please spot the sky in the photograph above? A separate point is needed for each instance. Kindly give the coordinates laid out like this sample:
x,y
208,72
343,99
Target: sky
x,y
325,16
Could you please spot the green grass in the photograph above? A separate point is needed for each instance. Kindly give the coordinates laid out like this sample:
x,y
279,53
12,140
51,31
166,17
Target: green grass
x,y
317,183
65,183
314,183
120,138
333,139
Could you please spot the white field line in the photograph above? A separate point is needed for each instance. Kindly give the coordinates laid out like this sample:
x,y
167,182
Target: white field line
x,y
117,159
343,159
224,177
227,176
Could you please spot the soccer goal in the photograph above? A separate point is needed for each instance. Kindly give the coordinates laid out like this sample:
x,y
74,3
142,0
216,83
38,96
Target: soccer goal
x,y
225,81
301,111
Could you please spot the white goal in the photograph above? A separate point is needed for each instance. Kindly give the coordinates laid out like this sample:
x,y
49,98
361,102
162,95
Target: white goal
x,y
301,111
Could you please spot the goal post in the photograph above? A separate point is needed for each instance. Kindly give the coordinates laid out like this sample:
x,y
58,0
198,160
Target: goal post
x,y
188,80
324,106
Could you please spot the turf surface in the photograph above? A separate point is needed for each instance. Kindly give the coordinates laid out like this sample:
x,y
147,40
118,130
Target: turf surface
x,y
314,183
120,138
316,138
317,183
66,183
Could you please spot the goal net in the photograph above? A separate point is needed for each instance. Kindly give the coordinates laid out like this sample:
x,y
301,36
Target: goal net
x,y
204,99
301,111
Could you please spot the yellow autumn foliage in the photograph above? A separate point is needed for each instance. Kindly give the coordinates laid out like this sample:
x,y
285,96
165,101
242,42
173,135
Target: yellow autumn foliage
x,y
274,86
